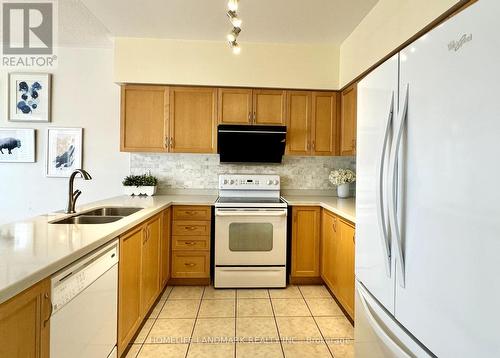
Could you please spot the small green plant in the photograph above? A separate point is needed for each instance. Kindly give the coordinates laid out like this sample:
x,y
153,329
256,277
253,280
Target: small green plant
x,y
140,180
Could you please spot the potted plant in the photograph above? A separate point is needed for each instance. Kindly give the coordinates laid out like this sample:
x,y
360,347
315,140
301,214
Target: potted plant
x,y
341,178
145,184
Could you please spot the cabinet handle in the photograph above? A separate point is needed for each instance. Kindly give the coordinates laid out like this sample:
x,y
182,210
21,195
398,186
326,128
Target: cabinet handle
x,y
313,145
171,142
46,296
145,233
308,145
334,225
166,142
254,116
190,227
190,264
354,238
191,213
190,243
249,117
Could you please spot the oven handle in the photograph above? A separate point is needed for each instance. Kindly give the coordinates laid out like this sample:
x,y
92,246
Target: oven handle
x,y
267,213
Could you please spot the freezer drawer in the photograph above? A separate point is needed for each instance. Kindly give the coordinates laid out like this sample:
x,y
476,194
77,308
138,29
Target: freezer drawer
x,y
378,335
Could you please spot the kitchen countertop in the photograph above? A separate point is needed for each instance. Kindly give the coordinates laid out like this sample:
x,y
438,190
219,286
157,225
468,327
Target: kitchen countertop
x,y
345,208
34,249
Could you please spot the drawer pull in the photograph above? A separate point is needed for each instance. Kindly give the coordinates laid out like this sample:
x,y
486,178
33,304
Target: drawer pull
x,y
190,227
190,243
190,264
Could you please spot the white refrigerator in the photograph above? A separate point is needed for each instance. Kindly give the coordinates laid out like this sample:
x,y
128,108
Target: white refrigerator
x,y
428,195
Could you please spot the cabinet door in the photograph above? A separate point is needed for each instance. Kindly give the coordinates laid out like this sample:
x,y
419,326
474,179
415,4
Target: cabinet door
x,y
144,111
25,323
305,241
129,287
165,248
324,123
193,120
298,122
348,121
150,285
346,269
235,106
269,107
329,250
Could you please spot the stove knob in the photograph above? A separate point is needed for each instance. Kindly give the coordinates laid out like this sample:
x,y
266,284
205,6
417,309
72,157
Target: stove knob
x,y
269,182
231,182
276,182
225,181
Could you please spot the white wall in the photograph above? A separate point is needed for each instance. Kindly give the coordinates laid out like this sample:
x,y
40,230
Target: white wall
x,y
388,25
83,95
139,60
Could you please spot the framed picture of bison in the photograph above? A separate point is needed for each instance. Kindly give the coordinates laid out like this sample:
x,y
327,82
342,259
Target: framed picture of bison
x,y
64,151
29,97
17,145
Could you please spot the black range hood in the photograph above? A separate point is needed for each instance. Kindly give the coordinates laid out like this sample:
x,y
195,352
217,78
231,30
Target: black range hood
x,y
251,143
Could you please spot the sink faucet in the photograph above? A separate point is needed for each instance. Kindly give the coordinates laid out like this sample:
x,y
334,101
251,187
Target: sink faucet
x,y
73,195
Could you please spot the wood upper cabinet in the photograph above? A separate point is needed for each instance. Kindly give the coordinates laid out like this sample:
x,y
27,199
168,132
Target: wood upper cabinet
x,y
306,241
269,107
150,269
25,323
312,123
144,113
235,106
129,287
337,258
193,119
348,121
324,123
299,122
165,248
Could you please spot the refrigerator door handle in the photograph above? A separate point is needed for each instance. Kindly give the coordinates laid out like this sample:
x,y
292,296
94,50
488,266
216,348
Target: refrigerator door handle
x,y
377,328
393,180
381,211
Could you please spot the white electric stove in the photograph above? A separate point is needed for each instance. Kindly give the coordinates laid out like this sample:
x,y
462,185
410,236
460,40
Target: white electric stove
x,y
250,232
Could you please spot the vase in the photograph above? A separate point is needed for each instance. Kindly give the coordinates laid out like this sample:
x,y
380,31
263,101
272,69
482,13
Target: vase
x,y
140,190
343,190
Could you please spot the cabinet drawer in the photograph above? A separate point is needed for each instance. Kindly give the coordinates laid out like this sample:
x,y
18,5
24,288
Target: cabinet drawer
x,y
192,264
191,243
191,228
192,213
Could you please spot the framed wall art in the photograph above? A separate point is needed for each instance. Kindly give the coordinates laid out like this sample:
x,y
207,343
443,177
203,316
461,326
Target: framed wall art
x,y
64,151
17,145
29,97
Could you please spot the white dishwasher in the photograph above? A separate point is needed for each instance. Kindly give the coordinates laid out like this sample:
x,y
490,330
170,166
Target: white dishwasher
x,y
84,306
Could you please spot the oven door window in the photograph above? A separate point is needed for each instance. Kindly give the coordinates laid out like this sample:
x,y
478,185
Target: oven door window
x,y
250,236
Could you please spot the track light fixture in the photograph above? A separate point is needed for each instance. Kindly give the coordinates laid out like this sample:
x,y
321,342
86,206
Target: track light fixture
x,y
232,6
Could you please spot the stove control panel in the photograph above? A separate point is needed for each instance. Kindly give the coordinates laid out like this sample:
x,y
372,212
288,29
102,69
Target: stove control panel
x,y
249,182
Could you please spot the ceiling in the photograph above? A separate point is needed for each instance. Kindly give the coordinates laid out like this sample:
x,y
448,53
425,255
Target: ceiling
x,y
279,21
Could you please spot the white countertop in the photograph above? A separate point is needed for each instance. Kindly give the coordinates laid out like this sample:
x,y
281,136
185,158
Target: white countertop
x,y
34,249
345,208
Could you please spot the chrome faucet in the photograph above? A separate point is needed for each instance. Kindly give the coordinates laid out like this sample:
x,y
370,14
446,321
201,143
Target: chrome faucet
x,y
73,195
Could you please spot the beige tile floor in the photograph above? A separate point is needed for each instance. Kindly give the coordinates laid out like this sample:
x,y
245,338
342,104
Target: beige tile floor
x,y
197,321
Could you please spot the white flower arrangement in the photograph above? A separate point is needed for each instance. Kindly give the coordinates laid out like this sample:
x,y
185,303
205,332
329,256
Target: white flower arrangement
x,y
342,176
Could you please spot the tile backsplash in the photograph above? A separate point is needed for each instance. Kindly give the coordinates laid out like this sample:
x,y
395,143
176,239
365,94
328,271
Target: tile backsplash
x,y
200,171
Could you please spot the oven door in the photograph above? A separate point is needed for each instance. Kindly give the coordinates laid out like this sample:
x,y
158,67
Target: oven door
x,y
250,237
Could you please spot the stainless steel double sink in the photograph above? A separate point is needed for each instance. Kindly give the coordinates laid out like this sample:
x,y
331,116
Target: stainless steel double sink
x,y
103,215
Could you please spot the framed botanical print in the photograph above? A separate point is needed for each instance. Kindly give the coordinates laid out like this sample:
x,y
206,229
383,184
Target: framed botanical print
x,y
17,145
29,97
64,151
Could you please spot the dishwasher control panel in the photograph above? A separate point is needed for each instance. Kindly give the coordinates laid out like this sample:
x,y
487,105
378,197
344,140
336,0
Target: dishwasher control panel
x,y
77,277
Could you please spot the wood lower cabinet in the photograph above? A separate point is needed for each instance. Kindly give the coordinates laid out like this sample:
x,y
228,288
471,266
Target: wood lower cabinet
x,y
25,323
129,287
191,227
144,118
193,120
337,258
150,270
348,121
306,241
165,248
235,106
144,253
